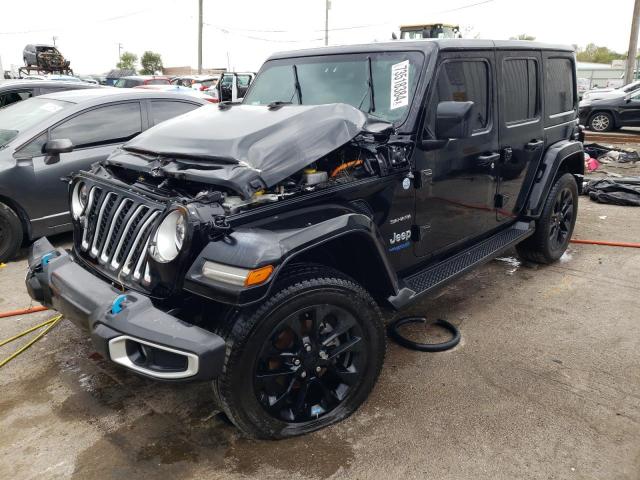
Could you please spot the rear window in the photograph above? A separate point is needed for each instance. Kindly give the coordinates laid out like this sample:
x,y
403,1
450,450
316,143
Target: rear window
x,y
559,94
520,84
164,110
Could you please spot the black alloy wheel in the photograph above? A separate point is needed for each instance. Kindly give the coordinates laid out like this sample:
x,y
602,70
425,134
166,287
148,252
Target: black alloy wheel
x,y
309,364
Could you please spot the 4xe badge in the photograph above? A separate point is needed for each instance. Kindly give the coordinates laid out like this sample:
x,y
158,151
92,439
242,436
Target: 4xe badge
x,y
400,240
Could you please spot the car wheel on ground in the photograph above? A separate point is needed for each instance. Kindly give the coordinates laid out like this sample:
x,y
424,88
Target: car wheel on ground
x,y
555,225
601,122
305,358
10,233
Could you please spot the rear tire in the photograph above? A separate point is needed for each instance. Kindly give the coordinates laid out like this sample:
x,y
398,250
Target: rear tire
x,y
10,233
555,225
601,122
304,359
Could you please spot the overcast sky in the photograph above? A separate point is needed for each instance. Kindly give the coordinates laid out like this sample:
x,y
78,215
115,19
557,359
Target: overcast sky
x,y
247,31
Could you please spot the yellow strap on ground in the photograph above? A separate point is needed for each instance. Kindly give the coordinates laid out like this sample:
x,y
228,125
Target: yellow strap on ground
x,y
49,324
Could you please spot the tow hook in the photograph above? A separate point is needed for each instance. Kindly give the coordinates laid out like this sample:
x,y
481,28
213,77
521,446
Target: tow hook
x,y
47,257
118,304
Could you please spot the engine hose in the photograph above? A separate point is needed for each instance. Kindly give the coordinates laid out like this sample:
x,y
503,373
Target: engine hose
x,y
608,244
23,311
393,327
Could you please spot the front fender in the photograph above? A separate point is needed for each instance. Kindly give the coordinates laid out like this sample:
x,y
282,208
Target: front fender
x,y
253,247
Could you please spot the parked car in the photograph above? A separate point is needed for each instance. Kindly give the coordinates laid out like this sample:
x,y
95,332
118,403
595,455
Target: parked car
x,y
599,93
12,91
44,56
46,138
232,87
135,80
605,114
197,82
178,89
254,244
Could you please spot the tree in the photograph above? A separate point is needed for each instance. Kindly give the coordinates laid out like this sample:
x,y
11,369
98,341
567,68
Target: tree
x,y
595,54
523,36
151,63
127,61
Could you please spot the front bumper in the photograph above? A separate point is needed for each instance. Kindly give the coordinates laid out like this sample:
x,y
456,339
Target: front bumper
x,y
124,326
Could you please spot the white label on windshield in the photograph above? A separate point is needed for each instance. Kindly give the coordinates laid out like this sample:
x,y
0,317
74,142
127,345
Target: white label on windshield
x,y
399,85
51,107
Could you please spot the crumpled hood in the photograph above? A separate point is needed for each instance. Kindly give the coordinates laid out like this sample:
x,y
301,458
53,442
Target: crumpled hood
x,y
247,147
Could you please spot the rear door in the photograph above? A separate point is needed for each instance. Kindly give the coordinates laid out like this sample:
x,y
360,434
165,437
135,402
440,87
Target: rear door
x,y
521,128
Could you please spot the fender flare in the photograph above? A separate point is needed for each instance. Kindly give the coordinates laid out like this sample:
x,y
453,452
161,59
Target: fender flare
x,y
252,248
554,157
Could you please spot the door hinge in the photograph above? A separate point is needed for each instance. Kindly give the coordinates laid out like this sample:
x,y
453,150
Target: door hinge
x,y
419,232
424,178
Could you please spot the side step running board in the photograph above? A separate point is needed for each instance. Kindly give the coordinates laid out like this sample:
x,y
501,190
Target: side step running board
x,y
438,275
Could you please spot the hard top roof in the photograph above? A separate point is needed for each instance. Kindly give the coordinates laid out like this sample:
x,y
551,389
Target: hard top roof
x,y
426,45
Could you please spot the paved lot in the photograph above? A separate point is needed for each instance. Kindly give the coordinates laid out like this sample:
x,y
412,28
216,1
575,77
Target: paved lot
x,y
544,385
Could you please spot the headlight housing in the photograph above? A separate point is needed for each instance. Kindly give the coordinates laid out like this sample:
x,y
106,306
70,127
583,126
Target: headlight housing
x,y
169,237
79,199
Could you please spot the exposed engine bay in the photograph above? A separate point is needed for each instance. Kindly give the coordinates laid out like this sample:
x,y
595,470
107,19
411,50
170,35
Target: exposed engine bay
x,y
265,156
357,160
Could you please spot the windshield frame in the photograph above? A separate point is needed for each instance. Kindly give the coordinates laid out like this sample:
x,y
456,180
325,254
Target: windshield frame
x,y
420,58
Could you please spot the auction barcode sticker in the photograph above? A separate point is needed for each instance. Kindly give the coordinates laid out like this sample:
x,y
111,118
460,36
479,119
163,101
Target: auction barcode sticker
x,y
399,85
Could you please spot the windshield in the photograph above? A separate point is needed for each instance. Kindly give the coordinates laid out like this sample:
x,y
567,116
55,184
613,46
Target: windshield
x,y
342,79
23,115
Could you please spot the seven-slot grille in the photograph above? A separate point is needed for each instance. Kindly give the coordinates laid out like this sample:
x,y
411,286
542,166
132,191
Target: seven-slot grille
x,y
116,231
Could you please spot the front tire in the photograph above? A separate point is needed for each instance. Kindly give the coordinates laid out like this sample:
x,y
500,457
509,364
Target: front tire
x,y
555,225
601,122
304,359
10,233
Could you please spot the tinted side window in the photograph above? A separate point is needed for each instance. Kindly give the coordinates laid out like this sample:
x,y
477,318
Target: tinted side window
x,y
33,148
101,126
244,80
520,84
462,81
164,110
13,97
558,89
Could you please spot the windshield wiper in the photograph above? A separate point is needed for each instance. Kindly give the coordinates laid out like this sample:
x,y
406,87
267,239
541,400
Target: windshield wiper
x,y
297,83
372,98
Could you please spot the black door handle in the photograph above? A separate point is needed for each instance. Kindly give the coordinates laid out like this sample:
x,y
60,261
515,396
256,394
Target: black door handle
x,y
534,145
488,158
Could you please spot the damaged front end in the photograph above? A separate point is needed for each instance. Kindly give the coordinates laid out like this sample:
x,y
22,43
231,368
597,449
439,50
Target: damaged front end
x,y
247,156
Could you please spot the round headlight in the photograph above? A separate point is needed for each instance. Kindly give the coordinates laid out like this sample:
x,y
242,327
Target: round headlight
x,y
169,237
79,199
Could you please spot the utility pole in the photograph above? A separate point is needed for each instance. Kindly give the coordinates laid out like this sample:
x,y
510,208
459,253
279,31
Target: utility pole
x,y
629,74
199,36
54,40
119,52
327,7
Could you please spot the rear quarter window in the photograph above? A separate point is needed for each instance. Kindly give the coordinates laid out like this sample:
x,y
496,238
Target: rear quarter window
x,y
164,110
558,90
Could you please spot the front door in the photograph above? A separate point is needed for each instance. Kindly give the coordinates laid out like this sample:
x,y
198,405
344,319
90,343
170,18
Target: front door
x,y
521,128
456,187
630,110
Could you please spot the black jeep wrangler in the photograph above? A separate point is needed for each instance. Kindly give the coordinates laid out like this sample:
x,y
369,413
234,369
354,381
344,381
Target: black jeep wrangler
x,y
255,244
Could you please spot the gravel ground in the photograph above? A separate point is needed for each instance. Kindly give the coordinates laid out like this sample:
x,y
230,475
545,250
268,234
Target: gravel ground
x,y
544,385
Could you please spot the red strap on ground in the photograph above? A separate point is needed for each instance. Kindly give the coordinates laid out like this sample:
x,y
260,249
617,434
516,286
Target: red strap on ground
x,y
23,311
608,244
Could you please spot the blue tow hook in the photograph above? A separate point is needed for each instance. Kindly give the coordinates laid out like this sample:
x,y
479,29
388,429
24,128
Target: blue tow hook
x,y
46,258
118,304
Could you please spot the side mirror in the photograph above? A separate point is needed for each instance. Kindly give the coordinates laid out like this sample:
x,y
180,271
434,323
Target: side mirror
x,y
394,36
53,149
453,120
